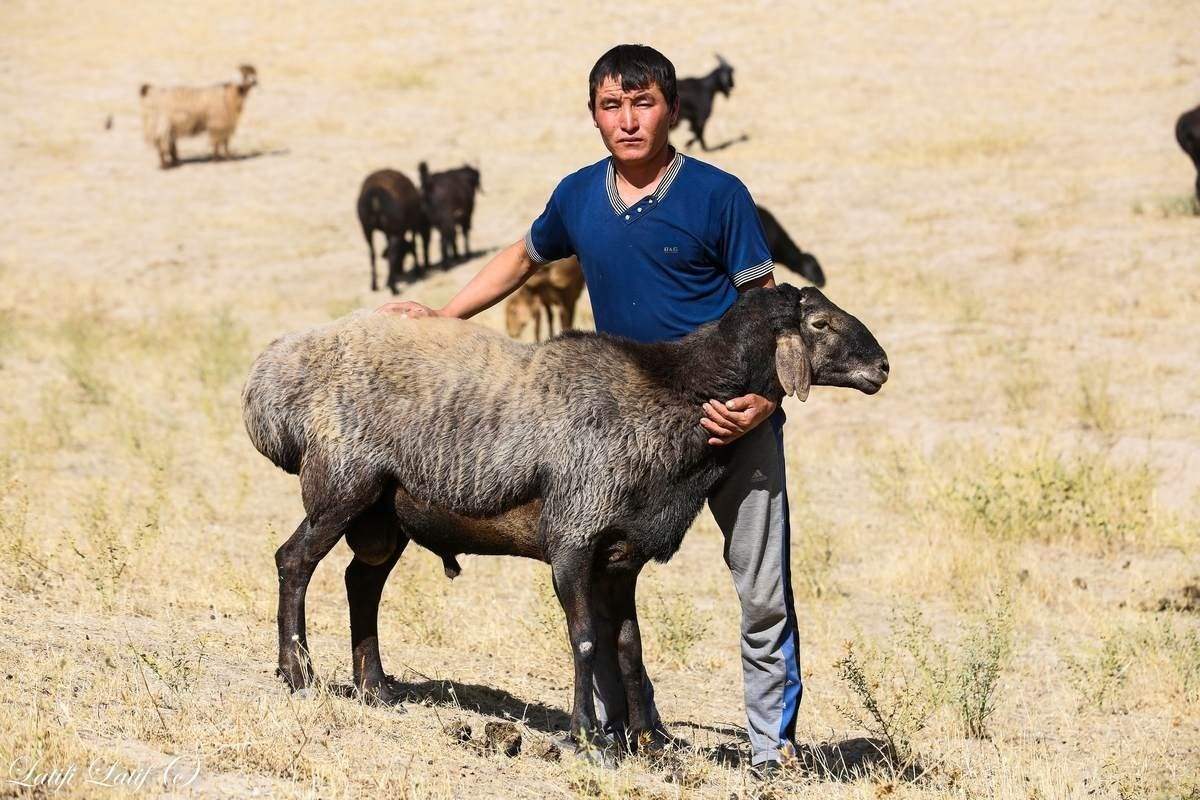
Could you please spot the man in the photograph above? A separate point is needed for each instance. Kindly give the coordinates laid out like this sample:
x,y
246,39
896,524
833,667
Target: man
x,y
666,243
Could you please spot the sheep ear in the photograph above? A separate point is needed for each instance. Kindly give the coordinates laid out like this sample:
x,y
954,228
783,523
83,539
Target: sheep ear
x,y
791,365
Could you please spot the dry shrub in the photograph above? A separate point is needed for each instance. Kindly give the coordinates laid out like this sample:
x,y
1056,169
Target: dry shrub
x,y
84,338
1168,206
1021,492
673,626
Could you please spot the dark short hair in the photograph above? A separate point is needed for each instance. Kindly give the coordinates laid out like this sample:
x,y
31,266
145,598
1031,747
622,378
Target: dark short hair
x,y
638,67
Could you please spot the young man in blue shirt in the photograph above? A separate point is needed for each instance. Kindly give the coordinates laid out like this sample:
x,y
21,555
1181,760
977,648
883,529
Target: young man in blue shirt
x,y
666,243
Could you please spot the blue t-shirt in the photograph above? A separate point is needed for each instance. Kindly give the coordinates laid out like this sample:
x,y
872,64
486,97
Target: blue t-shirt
x,y
661,267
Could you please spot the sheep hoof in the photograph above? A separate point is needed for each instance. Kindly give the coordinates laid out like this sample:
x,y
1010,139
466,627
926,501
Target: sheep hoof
x,y
450,565
382,695
600,752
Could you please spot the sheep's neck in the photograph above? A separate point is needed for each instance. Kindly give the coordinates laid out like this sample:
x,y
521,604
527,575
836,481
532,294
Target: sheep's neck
x,y
709,365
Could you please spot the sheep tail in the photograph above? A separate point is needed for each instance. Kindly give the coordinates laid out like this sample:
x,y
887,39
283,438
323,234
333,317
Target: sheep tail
x,y
269,420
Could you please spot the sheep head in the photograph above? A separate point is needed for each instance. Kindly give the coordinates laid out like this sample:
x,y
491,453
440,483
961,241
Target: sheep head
x,y
248,76
819,344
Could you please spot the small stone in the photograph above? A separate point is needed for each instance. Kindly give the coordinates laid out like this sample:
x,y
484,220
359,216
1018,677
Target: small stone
x,y
502,737
546,750
1079,583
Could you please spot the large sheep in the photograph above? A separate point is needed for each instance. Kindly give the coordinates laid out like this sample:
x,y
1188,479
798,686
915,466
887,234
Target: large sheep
x,y
171,112
585,452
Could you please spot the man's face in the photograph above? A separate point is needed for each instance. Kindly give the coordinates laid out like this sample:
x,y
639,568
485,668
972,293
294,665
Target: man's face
x,y
634,123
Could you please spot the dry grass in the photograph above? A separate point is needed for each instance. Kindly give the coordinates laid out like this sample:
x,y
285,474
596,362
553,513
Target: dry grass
x,y
996,192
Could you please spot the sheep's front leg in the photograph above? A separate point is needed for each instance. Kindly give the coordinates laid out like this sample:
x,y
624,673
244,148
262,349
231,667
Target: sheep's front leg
x,y
572,583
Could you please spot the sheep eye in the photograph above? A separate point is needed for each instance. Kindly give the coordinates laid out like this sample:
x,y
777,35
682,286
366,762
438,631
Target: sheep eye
x,y
820,324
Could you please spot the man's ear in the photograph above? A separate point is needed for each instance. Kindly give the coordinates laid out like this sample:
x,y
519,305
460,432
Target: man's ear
x,y
674,118
791,365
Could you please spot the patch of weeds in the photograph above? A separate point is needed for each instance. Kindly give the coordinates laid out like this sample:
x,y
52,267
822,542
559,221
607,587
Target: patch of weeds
x,y
676,627
8,329
177,669
812,546
1021,494
109,546
1168,206
982,656
424,605
897,688
27,566
1180,650
338,307
1095,405
85,337
546,620
222,351
1099,675
812,563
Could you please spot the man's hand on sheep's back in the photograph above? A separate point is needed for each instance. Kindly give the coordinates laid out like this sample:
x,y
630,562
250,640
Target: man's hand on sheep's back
x,y
407,308
727,422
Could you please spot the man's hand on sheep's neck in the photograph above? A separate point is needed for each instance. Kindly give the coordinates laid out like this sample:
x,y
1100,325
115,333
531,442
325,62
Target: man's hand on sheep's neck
x,y
407,308
727,422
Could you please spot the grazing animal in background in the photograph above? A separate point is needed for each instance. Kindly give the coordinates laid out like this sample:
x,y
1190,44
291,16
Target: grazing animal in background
x,y
450,201
390,202
584,452
785,251
1187,133
172,112
696,98
554,288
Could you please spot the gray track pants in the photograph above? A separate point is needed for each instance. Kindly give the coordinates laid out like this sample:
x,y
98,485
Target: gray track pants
x,y
750,507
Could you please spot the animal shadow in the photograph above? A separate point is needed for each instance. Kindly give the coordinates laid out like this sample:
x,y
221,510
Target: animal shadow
x,y
745,137
842,762
207,158
463,258
481,699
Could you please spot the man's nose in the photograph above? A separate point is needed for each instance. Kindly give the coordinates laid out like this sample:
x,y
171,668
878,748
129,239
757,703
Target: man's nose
x,y
628,119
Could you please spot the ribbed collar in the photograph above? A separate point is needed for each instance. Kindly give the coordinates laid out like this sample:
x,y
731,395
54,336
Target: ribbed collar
x,y
614,197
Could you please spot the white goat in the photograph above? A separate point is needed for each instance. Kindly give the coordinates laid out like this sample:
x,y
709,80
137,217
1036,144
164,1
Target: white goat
x,y
171,112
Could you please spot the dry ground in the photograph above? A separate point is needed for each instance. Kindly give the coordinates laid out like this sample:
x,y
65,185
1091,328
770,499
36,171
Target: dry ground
x,y
994,189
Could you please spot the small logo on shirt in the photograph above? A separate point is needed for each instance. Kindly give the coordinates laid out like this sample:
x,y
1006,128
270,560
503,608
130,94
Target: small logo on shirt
x,y
670,249
757,477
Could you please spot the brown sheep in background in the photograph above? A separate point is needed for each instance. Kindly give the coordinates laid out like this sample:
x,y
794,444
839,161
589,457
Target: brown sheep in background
x,y
556,286
171,112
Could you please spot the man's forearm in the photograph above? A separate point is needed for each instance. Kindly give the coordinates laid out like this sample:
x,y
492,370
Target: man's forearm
x,y
507,270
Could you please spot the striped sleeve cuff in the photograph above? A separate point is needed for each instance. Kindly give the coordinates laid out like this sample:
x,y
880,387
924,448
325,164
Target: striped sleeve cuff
x,y
534,255
748,274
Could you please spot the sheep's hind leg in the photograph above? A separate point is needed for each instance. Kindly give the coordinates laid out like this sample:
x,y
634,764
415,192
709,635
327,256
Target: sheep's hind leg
x,y
296,560
364,586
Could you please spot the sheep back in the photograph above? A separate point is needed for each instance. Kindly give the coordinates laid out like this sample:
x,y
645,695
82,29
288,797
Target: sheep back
x,y
471,422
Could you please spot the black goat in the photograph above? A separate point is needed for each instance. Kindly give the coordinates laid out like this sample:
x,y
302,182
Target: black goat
x,y
696,99
389,202
1187,133
450,201
785,251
